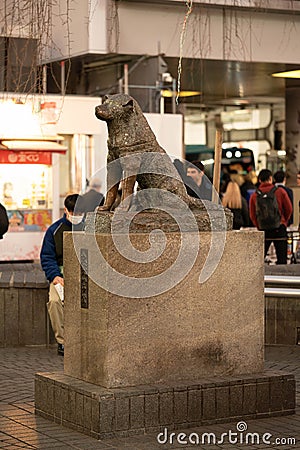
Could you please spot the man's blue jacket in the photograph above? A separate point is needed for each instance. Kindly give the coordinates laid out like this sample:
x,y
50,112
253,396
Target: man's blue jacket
x,y
52,248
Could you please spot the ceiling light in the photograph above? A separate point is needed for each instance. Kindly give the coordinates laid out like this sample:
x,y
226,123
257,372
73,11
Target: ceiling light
x,y
207,162
168,93
167,77
289,74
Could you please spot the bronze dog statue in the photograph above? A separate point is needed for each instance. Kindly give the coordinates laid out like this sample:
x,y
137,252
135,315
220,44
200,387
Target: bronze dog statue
x,y
129,134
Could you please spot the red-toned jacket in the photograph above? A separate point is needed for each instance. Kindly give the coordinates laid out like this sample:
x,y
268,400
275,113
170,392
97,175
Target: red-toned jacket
x,y
284,204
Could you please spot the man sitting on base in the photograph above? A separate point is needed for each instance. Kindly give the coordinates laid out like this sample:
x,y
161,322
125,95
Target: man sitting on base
x,y
201,188
52,263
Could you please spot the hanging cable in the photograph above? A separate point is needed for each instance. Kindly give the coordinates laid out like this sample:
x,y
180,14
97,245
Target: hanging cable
x,y
189,5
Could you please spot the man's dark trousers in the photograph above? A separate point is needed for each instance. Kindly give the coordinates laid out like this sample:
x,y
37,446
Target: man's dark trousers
x,y
279,237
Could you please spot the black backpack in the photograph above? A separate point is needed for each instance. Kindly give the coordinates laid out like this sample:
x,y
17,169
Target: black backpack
x,y
3,221
267,211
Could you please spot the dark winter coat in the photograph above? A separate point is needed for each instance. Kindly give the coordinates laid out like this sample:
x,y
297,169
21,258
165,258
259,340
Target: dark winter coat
x,y
240,216
52,248
284,204
90,200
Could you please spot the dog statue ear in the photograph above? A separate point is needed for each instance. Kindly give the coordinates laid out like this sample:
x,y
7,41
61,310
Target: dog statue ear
x,y
129,104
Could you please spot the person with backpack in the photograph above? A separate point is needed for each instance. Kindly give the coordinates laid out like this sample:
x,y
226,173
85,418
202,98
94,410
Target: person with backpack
x,y
270,210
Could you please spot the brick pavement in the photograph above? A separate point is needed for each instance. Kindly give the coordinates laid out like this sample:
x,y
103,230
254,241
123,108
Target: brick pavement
x,y
20,428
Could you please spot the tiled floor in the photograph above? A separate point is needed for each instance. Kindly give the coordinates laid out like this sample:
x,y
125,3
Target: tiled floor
x,y
20,428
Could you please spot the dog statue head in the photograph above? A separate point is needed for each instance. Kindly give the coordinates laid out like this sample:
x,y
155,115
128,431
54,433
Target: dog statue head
x,y
126,123
115,106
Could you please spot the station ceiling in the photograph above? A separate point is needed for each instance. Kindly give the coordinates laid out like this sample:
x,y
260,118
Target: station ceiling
x,y
220,83
230,83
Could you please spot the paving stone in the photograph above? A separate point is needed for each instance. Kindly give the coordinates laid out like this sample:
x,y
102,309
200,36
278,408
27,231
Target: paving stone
x,y
137,412
236,400
18,367
122,413
106,415
208,403
222,402
276,399
249,398
79,398
194,405
95,425
166,408
180,406
263,397
151,410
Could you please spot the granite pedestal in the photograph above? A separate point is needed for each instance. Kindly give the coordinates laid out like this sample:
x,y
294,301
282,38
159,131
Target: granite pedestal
x,y
190,355
192,330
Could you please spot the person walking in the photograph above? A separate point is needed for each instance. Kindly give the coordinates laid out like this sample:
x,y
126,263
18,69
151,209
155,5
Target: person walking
x,y
51,257
233,200
279,180
93,197
270,209
249,185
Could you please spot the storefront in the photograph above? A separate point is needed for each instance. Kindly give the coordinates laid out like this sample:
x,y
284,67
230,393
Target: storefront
x,y
27,148
26,190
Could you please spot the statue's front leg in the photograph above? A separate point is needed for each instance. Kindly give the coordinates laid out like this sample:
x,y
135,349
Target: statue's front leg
x,y
127,191
130,166
113,177
110,198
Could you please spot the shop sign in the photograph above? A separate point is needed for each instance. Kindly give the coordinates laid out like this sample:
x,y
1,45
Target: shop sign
x,y
25,157
29,220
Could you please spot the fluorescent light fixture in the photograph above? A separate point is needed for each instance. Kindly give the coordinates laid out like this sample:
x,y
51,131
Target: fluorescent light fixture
x,y
241,112
207,162
289,74
168,93
281,153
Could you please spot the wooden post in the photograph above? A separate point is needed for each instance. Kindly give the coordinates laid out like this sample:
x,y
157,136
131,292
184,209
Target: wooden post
x,y
126,90
217,166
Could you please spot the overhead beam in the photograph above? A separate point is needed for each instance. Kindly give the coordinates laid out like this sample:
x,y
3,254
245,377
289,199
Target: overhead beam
x,y
276,6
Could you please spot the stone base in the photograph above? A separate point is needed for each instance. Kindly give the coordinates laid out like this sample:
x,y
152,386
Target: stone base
x,y
101,412
189,330
215,218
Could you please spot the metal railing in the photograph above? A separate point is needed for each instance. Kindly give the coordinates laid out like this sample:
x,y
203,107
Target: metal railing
x,y
282,286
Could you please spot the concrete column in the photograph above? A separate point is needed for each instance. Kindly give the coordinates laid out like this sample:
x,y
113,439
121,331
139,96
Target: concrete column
x,y
292,97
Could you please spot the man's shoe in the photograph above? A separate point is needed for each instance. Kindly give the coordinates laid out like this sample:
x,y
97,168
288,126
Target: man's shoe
x,y
60,349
